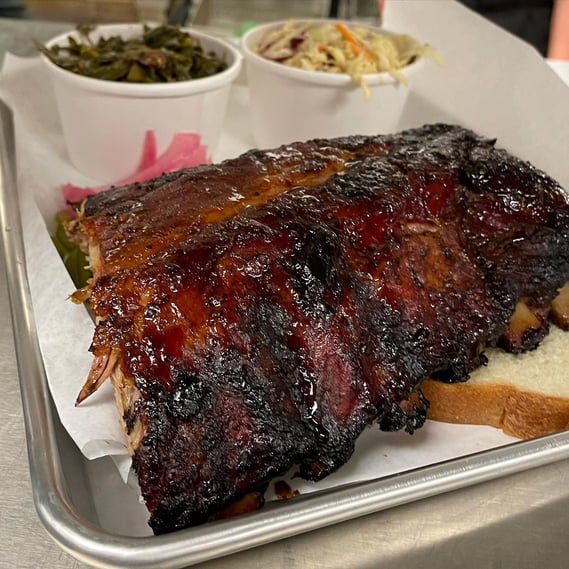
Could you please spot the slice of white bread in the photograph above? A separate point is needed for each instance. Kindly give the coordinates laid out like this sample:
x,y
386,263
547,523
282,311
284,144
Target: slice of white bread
x,y
526,395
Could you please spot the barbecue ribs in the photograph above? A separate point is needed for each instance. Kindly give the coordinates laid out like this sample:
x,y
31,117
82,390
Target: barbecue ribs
x,y
259,314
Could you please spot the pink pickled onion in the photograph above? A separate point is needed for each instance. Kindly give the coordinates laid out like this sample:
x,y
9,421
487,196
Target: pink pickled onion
x,y
185,151
149,151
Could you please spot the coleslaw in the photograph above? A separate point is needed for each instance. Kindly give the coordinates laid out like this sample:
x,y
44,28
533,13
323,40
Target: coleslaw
x,y
333,47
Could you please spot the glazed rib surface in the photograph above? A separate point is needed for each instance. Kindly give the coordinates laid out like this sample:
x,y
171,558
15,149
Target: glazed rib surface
x,y
262,312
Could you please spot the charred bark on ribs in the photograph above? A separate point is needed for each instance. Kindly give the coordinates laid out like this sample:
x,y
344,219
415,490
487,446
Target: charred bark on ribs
x,y
260,313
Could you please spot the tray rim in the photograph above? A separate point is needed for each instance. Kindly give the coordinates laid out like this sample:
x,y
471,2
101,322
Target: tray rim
x,y
90,544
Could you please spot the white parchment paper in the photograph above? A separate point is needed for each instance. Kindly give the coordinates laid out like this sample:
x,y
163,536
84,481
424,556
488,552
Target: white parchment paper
x,y
492,82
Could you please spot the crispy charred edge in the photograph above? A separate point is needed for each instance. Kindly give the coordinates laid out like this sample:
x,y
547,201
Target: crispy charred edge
x,y
100,201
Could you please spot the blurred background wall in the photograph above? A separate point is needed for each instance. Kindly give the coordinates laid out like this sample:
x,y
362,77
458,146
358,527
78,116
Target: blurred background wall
x,y
221,13
528,19
96,11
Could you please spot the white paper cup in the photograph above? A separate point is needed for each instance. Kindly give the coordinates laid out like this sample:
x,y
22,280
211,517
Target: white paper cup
x,y
289,104
104,122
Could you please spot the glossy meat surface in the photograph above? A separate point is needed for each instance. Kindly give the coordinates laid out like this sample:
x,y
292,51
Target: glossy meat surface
x,y
266,310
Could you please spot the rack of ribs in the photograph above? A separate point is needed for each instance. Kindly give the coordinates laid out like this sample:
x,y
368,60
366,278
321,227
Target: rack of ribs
x,y
257,315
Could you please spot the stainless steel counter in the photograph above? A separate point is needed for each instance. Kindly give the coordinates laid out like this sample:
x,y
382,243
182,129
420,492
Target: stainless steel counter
x,y
517,522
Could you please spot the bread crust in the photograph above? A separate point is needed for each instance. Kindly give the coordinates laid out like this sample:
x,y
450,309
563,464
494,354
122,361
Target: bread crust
x,y
520,413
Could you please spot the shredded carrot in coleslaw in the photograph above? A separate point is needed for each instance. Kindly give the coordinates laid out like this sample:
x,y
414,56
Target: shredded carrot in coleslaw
x,y
334,47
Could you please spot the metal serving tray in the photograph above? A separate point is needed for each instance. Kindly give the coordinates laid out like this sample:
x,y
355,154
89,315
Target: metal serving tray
x,y
67,488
